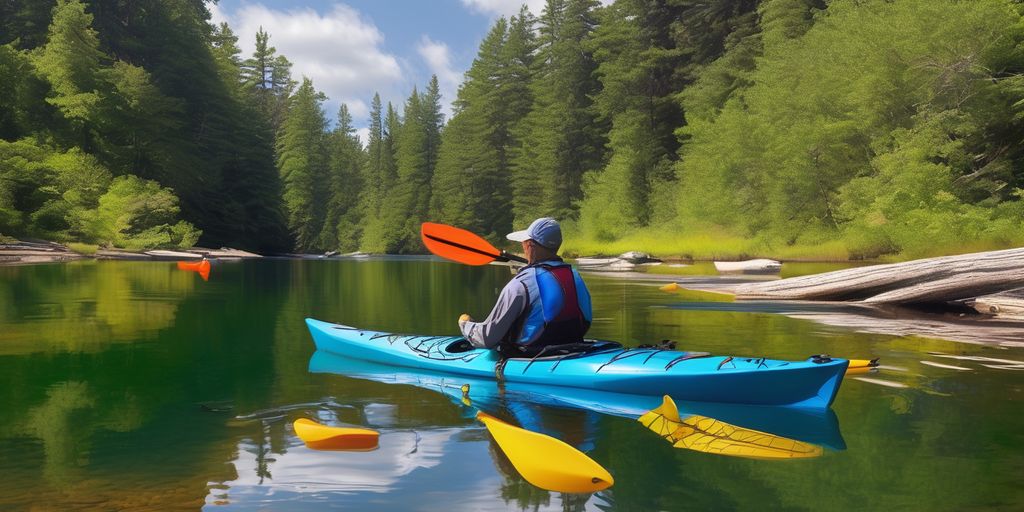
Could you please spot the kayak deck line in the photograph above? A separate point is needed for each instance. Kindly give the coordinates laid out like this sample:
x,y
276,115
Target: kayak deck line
x,y
623,355
684,357
606,366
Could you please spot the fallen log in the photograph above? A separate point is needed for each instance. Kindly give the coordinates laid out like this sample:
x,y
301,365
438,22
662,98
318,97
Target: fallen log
x,y
943,279
958,287
1004,305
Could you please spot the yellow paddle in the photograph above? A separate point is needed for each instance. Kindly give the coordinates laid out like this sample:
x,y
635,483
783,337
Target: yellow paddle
x,y
322,437
708,435
858,366
545,461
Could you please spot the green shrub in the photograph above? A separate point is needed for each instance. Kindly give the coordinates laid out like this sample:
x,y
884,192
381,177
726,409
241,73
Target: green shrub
x,y
139,214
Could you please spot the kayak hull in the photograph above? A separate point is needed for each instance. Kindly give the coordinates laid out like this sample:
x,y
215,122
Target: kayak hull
x,y
646,372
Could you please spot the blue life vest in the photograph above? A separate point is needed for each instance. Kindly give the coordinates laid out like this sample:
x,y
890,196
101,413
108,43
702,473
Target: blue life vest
x,y
559,306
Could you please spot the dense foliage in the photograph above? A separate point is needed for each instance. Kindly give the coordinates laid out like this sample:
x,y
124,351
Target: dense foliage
x,y
119,120
879,127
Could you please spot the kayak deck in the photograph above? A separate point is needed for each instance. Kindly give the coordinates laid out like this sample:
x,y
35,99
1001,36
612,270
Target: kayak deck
x,y
640,371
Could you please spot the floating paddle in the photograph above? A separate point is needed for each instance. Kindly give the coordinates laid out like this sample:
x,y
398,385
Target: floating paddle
x,y
545,461
461,246
704,434
322,437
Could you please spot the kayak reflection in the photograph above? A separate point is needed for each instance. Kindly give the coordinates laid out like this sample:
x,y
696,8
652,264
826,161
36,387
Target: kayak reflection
x,y
531,404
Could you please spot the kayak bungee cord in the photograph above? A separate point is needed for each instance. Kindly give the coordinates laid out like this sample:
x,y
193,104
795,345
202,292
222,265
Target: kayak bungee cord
x,y
623,355
686,357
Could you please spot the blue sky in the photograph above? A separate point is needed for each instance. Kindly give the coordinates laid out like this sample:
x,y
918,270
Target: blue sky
x,y
354,48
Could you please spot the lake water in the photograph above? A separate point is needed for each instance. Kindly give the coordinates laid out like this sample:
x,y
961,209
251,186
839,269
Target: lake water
x,y
137,386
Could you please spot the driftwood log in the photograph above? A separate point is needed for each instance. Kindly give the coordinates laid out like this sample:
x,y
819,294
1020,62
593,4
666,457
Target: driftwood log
x,y
932,280
1007,305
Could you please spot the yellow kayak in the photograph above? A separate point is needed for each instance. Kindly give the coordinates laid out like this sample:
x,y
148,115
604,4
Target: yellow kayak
x,y
322,437
708,435
545,461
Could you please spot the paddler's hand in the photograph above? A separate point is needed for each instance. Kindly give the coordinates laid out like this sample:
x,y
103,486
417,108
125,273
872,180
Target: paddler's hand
x,y
463,319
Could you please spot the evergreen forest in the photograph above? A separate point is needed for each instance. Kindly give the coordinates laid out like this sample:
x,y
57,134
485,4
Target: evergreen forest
x,y
800,128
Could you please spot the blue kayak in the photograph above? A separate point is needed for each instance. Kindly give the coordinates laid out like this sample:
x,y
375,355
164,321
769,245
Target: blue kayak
x,y
603,366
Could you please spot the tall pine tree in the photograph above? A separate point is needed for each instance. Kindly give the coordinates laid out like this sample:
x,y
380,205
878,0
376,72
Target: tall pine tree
x,y
638,65
383,232
407,199
303,163
267,76
71,62
471,182
341,229
562,138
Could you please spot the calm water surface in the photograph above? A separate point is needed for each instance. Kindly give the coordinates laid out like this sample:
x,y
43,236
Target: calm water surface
x,y
136,386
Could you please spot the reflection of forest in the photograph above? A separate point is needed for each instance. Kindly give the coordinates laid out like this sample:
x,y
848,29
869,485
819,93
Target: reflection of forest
x,y
84,306
92,416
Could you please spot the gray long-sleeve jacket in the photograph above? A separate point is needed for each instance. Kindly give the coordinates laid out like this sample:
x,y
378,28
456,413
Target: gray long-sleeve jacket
x,y
512,301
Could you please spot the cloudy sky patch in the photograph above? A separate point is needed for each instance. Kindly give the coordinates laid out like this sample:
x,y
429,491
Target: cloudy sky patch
x,y
339,50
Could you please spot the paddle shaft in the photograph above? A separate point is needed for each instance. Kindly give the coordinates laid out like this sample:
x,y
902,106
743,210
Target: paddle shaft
x,y
501,256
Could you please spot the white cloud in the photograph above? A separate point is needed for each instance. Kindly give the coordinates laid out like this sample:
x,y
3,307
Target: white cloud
x,y
339,50
216,14
439,61
510,7
504,7
364,135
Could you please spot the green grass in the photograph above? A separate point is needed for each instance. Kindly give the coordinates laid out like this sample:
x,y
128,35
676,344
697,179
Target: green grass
x,y
716,245
80,248
702,246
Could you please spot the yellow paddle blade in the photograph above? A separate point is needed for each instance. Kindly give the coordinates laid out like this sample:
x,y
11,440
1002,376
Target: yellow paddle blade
x,y
863,363
545,461
671,287
858,366
322,437
708,435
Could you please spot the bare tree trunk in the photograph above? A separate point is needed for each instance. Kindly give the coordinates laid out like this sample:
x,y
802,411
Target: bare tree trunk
x,y
921,281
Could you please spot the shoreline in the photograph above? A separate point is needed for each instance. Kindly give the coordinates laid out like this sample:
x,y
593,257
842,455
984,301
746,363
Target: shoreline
x,y
30,252
20,256
961,325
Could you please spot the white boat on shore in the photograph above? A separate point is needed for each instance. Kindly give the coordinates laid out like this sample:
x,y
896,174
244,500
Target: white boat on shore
x,y
173,255
758,266
605,264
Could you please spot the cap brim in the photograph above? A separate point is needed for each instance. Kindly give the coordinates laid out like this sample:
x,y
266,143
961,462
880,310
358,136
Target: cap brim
x,y
519,236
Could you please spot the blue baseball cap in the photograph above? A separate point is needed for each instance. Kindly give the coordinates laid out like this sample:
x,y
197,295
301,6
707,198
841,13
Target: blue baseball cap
x,y
545,231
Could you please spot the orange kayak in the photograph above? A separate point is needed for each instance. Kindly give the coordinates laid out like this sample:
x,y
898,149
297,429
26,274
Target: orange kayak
x,y
202,267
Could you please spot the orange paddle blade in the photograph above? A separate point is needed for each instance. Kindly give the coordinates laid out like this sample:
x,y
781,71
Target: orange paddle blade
x,y
457,244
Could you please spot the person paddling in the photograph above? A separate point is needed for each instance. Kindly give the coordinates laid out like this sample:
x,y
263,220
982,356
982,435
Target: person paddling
x,y
545,304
